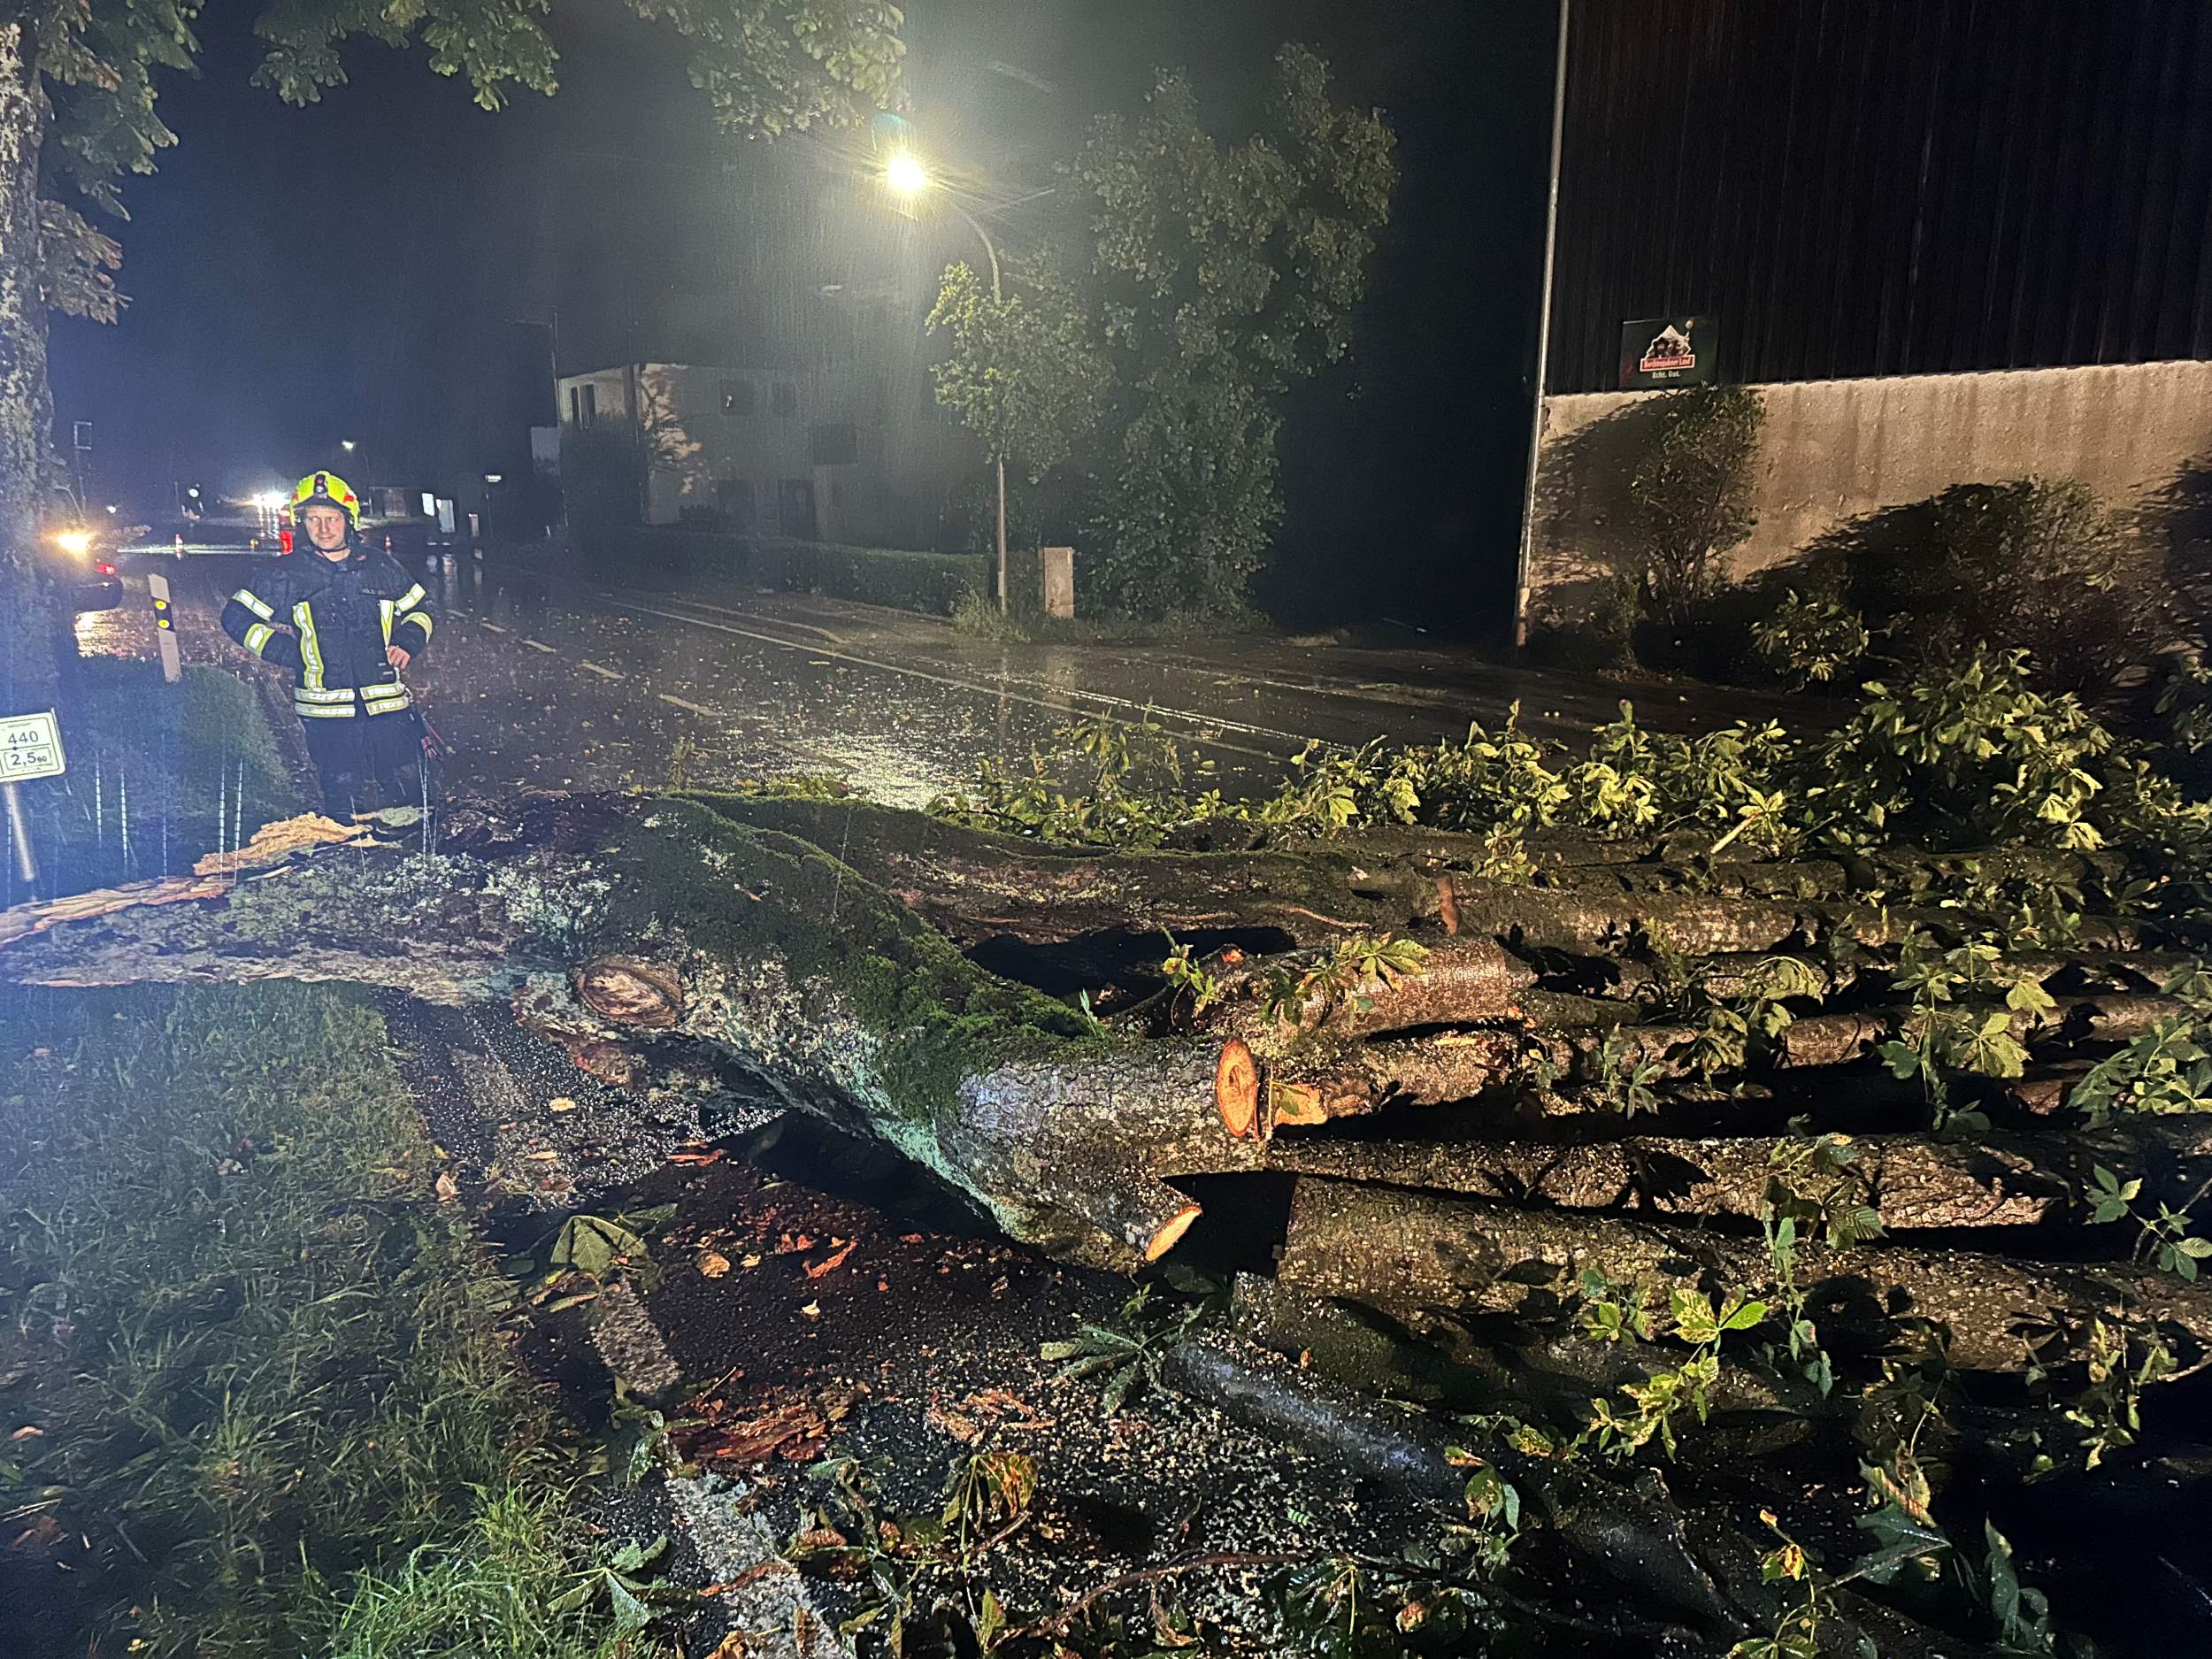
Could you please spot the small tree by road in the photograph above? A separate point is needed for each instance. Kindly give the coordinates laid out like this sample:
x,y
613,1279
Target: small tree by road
x,y
1690,497
1138,362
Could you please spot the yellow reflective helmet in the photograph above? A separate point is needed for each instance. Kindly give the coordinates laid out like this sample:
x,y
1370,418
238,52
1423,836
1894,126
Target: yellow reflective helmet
x,y
325,489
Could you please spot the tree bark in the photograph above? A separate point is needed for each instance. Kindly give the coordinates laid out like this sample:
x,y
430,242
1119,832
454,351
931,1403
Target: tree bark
x,y
1402,1250
1912,1181
28,673
659,938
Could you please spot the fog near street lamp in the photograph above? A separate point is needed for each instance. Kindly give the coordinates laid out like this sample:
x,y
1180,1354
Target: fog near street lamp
x,y
905,174
906,178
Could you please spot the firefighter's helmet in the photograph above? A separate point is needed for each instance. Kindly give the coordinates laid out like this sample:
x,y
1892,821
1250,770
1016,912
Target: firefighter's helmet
x,y
325,489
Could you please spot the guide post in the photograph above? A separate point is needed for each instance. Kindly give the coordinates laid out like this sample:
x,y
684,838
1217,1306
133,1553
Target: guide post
x,y
165,628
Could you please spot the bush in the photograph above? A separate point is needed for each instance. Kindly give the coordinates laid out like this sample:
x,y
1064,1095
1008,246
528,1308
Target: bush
x,y
1812,642
2032,565
931,583
1690,497
632,550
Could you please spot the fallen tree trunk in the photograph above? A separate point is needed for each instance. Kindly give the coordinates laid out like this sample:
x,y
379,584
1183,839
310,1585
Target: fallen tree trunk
x,y
1911,1180
1405,1251
654,939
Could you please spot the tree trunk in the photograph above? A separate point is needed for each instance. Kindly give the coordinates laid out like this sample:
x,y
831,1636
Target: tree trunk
x,y
1912,1182
1409,1251
657,939
28,673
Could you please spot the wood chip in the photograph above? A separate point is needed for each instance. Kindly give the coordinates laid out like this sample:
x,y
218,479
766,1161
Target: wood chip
x,y
713,1265
830,1263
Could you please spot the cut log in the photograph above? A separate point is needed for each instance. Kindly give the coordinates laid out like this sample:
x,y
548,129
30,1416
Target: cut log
x,y
1394,1250
1430,1071
1460,981
1912,1181
1237,1089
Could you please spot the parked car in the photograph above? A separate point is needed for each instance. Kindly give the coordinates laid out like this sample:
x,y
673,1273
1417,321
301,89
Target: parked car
x,y
85,575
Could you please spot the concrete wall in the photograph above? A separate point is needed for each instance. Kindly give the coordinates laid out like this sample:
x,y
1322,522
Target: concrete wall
x,y
1835,451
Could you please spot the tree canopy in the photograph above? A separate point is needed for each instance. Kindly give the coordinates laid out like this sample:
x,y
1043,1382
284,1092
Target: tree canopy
x,y
1137,365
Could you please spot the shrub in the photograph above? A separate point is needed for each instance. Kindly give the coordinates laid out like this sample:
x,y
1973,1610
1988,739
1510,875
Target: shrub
x,y
2032,565
1690,497
933,583
1812,642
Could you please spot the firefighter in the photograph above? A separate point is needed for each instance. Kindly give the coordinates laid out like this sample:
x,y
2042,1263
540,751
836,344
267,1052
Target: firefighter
x,y
346,621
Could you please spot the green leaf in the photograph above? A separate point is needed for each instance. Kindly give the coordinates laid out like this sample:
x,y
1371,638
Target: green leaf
x,y
635,1557
1745,1316
1117,1388
631,1615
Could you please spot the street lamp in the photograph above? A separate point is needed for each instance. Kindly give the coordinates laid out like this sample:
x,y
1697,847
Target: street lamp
x,y
905,176
346,444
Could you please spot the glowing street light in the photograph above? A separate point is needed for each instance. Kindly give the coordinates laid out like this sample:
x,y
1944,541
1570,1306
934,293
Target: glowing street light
x,y
76,542
905,174
905,177
346,444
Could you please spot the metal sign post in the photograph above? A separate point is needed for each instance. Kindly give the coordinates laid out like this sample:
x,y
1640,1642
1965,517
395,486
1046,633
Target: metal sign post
x,y
30,747
165,628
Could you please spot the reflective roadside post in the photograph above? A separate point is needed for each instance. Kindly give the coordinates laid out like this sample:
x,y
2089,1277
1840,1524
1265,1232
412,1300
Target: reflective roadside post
x,y
165,628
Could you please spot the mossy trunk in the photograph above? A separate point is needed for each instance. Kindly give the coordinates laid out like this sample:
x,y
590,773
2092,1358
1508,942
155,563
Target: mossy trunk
x,y
1411,1252
27,663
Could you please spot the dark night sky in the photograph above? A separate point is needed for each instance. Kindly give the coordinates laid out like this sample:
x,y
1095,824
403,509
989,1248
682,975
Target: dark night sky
x,y
351,270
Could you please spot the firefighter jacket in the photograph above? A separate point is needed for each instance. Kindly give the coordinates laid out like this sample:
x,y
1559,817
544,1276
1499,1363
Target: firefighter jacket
x,y
329,621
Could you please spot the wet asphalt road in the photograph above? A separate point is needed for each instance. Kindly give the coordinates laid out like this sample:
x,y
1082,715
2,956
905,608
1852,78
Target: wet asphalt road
x,y
541,681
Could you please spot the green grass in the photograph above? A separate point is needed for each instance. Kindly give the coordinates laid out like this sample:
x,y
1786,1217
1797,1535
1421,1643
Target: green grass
x,y
485,1596
265,1357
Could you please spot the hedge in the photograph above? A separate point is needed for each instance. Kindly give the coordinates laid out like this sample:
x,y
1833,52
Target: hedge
x,y
931,583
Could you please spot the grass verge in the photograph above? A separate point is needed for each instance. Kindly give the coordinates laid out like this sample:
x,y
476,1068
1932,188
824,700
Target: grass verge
x,y
266,1368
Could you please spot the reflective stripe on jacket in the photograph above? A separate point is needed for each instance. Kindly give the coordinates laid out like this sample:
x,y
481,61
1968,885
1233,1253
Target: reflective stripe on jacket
x,y
330,622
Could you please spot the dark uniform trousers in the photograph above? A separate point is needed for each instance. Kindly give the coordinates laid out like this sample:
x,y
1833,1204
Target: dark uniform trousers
x,y
330,621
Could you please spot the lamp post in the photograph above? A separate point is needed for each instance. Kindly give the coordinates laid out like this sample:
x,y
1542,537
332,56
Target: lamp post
x,y
907,177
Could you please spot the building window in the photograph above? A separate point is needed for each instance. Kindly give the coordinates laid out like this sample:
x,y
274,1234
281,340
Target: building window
x,y
835,444
737,397
784,401
734,497
583,405
575,406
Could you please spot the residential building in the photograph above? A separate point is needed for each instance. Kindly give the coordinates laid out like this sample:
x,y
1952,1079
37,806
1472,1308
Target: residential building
x,y
830,454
